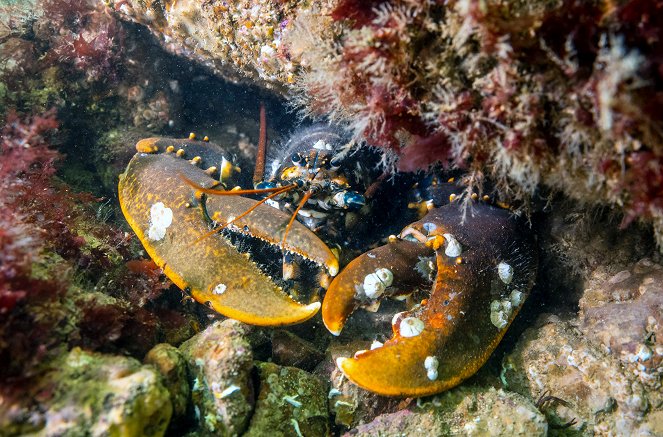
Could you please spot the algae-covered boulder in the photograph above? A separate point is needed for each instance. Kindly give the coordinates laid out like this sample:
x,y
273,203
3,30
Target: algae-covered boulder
x,y
291,402
220,363
470,411
601,394
88,394
170,363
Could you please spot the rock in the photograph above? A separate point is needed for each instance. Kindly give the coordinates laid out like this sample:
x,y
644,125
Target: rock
x,y
290,350
220,364
172,366
624,314
602,395
352,405
462,411
88,394
291,402
256,29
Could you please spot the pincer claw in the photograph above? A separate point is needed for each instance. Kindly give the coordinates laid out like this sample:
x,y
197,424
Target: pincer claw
x,y
368,276
485,267
173,223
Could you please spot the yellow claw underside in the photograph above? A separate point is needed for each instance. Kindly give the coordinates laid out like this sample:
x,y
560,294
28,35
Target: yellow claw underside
x,y
163,213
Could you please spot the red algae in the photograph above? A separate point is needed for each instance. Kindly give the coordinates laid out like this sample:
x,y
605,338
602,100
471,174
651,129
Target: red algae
x,y
86,36
536,96
54,253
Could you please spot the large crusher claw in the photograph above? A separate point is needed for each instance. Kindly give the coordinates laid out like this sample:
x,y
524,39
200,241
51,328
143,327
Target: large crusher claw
x,y
486,263
174,221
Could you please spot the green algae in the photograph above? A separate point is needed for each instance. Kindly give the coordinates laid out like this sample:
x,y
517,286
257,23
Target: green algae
x,y
291,402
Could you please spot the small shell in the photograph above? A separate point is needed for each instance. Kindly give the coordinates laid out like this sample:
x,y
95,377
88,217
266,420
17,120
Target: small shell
x,y
505,272
431,364
161,218
453,247
411,327
375,283
386,276
219,289
516,298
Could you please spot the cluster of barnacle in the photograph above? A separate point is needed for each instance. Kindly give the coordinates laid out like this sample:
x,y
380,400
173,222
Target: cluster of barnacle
x,y
558,94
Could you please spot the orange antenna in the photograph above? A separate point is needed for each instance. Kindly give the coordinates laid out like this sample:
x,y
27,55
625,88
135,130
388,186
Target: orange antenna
x,y
259,171
216,192
305,199
245,213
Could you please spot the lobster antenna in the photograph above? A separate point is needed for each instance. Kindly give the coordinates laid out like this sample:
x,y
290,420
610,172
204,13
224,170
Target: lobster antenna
x,y
305,198
244,214
216,192
259,171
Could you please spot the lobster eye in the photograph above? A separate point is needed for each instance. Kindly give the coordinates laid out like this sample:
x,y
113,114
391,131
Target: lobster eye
x,y
335,161
354,200
297,158
264,185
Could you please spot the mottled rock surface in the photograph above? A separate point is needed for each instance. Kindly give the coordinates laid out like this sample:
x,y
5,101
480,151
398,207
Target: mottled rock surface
x,y
349,404
170,363
624,314
603,396
463,411
291,402
220,363
240,41
89,394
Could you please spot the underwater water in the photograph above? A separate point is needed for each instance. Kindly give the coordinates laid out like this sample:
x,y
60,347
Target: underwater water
x,y
346,218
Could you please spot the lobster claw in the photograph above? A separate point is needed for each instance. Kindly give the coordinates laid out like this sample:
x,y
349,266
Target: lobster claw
x,y
486,263
173,223
389,268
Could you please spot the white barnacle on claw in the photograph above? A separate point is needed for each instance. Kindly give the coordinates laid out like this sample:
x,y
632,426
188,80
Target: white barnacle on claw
x,y
516,298
453,247
376,344
500,312
431,364
219,289
160,219
505,272
375,283
411,327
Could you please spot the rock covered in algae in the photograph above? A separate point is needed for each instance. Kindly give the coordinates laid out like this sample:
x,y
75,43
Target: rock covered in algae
x,y
170,363
89,394
239,40
349,404
623,313
291,402
470,411
603,396
220,363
